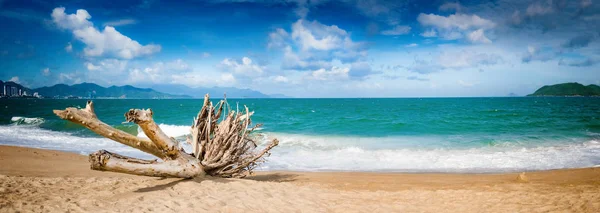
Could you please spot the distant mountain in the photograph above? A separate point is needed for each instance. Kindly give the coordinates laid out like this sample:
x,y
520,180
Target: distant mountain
x,y
90,90
215,92
568,89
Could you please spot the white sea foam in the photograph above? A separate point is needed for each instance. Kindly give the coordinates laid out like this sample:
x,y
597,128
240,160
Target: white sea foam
x,y
26,121
32,136
320,153
416,154
171,130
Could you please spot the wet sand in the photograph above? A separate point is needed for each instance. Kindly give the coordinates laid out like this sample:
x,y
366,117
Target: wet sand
x,y
34,180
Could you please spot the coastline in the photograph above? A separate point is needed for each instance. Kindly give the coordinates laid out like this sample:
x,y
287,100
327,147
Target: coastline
x,y
45,180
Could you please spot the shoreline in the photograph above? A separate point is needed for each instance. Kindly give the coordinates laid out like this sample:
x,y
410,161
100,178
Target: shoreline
x,y
46,180
375,172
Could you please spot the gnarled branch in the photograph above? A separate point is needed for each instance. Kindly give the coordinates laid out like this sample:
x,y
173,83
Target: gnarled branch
x,y
87,118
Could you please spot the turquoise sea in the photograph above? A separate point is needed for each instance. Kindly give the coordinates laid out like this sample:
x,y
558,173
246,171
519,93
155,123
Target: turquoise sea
x,y
364,134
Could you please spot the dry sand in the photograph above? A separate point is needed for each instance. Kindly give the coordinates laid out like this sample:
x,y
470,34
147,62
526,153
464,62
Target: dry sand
x,y
34,180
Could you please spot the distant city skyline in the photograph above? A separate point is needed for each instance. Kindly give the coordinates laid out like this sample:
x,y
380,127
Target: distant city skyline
x,y
348,48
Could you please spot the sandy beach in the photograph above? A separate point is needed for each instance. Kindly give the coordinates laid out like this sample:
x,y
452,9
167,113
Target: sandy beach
x,y
34,180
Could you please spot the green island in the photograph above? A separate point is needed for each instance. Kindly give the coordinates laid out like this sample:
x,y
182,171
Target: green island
x,y
568,89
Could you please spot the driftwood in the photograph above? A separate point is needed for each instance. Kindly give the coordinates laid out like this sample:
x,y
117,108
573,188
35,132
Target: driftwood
x,y
221,146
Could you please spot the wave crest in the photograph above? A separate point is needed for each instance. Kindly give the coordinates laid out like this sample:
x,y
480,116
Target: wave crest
x,y
17,120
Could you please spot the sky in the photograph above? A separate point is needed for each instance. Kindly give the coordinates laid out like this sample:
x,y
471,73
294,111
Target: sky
x,y
347,48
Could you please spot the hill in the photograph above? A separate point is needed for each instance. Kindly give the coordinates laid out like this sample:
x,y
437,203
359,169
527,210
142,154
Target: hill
x,y
568,89
14,89
199,92
90,90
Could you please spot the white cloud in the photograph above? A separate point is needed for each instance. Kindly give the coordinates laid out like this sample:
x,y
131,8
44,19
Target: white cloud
x,y
397,30
227,78
456,26
478,36
15,79
109,66
70,78
458,21
335,73
244,68
120,22
411,45
91,67
69,47
292,61
78,20
46,71
314,35
108,42
161,72
429,33
313,46
280,79
205,55
277,39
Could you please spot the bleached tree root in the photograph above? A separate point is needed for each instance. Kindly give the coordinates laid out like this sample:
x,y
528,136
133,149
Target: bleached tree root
x,y
220,148
106,161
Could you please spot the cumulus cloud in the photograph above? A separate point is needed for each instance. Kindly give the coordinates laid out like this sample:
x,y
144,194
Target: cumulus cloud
x,y
456,26
279,79
108,66
315,47
429,33
71,78
15,79
478,36
455,21
335,73
277,39
293,61
245,67
160,72
397,30
108,42
316,36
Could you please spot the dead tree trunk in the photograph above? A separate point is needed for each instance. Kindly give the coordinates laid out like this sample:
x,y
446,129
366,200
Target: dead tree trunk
x,y
220,148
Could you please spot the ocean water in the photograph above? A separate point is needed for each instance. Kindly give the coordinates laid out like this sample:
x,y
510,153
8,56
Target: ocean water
x,y
475,135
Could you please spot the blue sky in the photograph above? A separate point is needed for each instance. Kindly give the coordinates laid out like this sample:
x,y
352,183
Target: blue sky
x,y
349,48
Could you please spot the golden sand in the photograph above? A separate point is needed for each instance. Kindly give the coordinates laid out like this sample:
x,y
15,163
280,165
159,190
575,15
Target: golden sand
x,y
34,180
